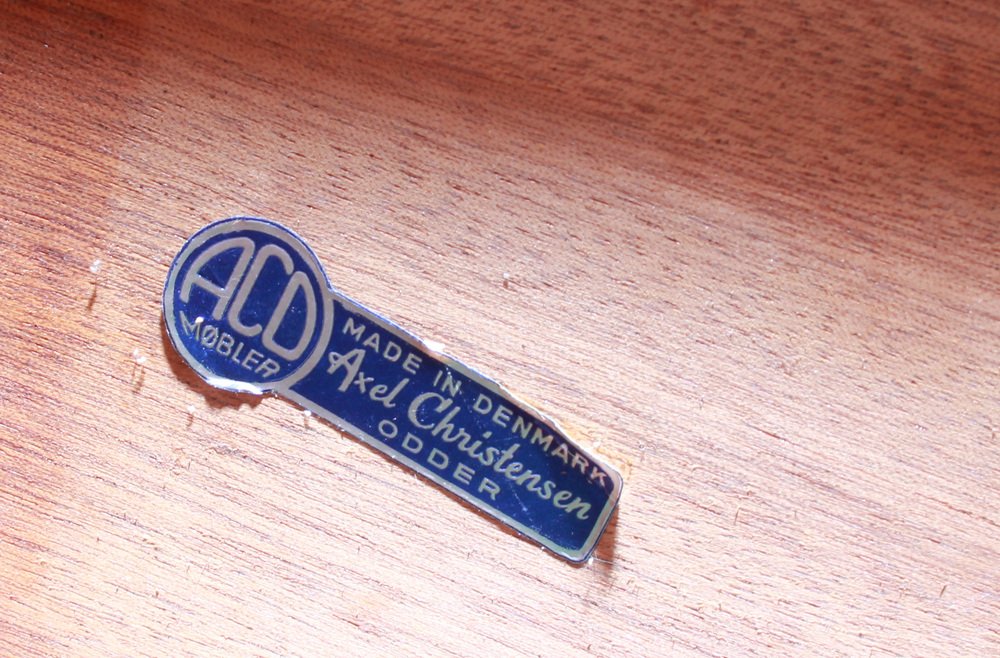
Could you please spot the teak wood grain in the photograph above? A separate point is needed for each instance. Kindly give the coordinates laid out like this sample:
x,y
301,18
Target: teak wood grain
x,y
749,252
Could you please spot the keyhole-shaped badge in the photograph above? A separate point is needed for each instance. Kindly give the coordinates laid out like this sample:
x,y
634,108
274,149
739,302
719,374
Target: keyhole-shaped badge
x,y
248,306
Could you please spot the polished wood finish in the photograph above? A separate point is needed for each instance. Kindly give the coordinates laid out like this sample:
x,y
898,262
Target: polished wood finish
x,y
750,253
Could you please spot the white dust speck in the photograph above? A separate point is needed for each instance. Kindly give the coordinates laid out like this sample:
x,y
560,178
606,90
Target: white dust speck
x,y
434,346
190,410
95,267
139,357
307,413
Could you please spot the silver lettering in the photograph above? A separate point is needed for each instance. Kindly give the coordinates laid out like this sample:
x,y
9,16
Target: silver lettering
x,y
443,403
437,459
490,487
482,405
354,329
299,281
233,316
464,473
412,443
225,292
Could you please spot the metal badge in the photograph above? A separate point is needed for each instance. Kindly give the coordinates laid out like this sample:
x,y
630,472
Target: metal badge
x,y
248,306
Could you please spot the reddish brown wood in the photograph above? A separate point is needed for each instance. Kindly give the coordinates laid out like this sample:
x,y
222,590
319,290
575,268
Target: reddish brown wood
x,y
751,253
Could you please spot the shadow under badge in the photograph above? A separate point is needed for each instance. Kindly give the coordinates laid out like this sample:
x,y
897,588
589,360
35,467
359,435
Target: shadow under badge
x,y
248,306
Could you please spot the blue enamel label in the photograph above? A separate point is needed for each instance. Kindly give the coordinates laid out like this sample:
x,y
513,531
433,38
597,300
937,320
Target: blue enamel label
x,y
248,306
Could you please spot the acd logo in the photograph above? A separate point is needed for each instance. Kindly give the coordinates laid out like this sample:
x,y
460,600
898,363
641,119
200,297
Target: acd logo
x,y
238,287
246,305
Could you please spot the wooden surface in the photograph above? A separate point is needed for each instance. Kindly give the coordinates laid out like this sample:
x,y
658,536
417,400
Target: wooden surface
x,y
753,255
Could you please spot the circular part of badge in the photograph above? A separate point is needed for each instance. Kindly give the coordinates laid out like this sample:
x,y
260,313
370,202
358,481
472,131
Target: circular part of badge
x,y
246,305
